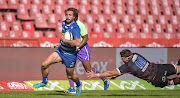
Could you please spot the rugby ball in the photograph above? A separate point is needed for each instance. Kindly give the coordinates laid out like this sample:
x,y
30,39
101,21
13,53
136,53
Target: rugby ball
x,y
68,35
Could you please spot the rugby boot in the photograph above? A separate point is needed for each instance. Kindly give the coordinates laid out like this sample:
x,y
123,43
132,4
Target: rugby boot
x,y
71,90
106,84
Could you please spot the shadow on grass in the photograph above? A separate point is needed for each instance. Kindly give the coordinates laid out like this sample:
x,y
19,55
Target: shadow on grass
x,y
56,93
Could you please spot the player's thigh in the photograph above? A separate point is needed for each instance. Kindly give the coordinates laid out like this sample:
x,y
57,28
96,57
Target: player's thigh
x,y
51,59
166,69
160,80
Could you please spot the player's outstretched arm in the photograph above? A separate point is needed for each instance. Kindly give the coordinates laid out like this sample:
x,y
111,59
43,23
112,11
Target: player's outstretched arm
x,y
112,73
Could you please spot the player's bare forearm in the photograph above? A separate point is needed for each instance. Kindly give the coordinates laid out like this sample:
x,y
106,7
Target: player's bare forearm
x,y
75,42
84,41
104,74
109,74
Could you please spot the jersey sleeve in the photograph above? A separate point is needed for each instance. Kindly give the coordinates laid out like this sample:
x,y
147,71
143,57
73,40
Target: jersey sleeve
x,y
123,69
82,27
76,32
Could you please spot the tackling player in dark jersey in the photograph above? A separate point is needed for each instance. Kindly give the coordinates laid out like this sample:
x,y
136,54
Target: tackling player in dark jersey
x,y
137,65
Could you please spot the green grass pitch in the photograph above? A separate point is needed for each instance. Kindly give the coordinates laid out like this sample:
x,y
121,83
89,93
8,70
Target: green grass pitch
x,y
94,94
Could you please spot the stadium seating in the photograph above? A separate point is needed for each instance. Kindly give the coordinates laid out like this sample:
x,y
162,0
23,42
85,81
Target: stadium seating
x,y
9,17
46,10
158,28
50,34
14,34
50,3
90,19
120,10
13,4
4,27
114,19
26,34
22,12
95,10
38,34
178,35
73,3
133,35
59,11
26,3
89,27
103,18
1,17
96,2
3,4
2,34
39,3
96,35
157,35
84,9
28,26
34,9
122,28
98,28
58,32
16,27
52,19
41,21
109,28
84,2
60,2
145,35
108,35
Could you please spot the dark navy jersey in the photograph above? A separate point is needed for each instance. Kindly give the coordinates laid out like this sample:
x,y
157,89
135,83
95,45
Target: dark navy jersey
x,y
75,30
139,67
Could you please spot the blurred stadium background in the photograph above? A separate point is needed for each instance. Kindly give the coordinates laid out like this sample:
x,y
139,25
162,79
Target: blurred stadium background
x,y
110,23
37,23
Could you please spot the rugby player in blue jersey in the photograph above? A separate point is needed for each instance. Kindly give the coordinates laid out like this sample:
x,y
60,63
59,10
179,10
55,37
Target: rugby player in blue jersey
x,y
134,63
83,54
66,51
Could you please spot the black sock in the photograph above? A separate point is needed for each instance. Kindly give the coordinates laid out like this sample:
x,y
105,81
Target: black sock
x,y
176,80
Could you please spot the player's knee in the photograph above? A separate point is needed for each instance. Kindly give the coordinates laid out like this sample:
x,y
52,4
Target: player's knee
x,y
44,65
